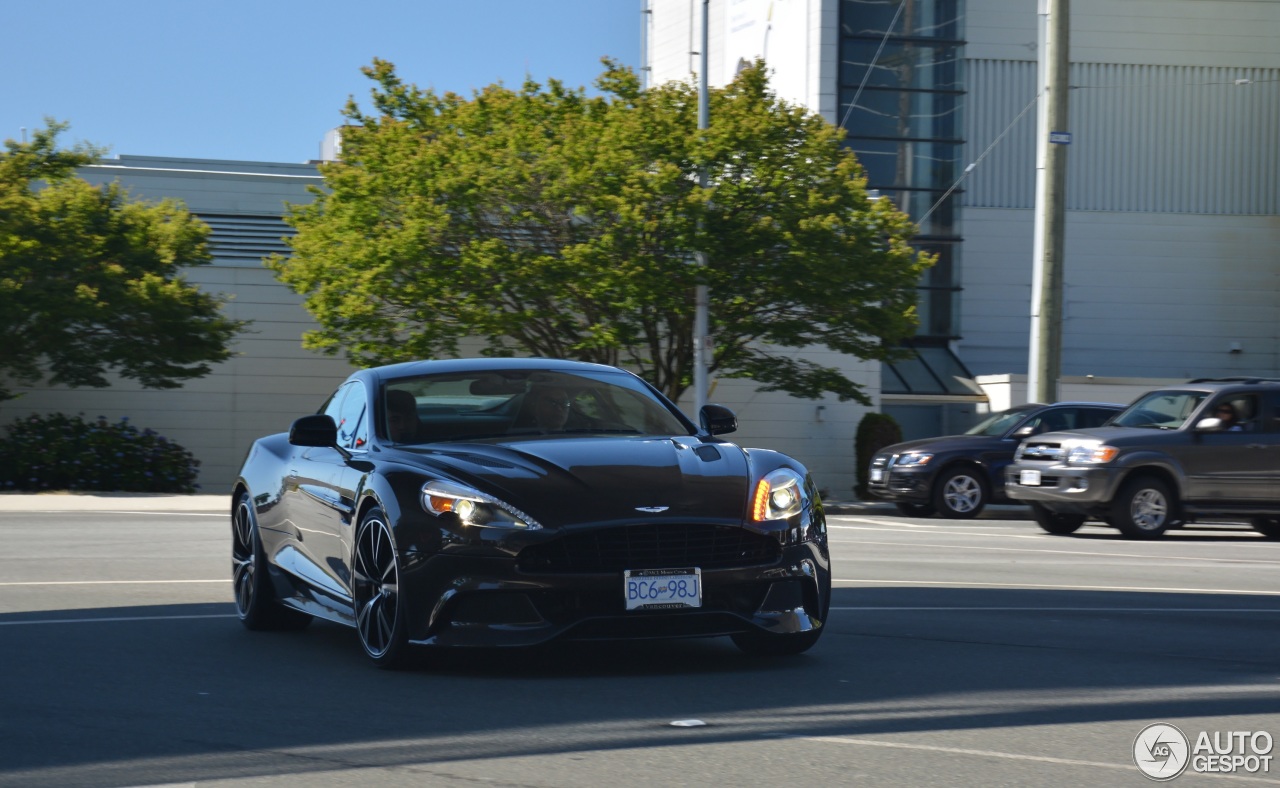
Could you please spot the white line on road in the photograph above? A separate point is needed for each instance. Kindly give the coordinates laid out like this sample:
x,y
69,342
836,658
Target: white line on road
x,y
112,619
1011,756
174,513
109,582
1057,587
1073,609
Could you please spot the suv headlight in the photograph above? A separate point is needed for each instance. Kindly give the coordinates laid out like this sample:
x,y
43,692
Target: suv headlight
x,y
779,495
473,507
1091,453
912,459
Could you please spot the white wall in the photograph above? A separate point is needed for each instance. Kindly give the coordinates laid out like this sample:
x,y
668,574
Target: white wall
x,y
1147,295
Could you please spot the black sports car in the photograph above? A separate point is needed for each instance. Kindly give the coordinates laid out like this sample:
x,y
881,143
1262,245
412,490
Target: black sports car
x,y
510,502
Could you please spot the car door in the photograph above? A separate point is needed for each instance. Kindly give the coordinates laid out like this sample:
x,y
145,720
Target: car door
x,y
1228,466
325,493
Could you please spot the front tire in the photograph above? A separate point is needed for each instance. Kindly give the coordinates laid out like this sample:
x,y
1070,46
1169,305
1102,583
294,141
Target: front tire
x,y
960,493
256,602
379,606
1059,523
1144,509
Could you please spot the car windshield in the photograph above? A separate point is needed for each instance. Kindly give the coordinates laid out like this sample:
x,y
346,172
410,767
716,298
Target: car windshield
x,y
501,403
1160,410
998,423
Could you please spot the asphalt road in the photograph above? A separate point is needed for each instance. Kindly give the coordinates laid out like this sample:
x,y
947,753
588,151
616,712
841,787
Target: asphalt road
x,y
959,653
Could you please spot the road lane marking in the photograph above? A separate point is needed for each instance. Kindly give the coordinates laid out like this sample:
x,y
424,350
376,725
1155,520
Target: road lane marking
x,y
112,619
1056,587
107,582
1254,539
1026,609
1009,756
173,513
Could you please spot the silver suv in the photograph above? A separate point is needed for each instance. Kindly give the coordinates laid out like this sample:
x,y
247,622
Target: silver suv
x,y
1208,449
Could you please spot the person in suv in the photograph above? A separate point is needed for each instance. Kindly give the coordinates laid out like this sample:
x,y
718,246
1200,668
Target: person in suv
x,y
1209,449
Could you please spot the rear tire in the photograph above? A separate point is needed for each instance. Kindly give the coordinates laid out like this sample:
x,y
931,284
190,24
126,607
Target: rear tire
x,y
915,509
1267,526
1059,523
1144,508
256,602
960,493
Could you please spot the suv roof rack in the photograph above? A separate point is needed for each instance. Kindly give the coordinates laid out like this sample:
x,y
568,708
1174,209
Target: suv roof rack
x,y
1236,379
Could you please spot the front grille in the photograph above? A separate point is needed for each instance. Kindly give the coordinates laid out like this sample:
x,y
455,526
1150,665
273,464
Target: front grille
x,y
668,545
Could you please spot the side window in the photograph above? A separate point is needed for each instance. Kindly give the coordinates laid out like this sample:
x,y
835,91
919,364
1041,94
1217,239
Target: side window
x,y
1093,417
1273,423
353,427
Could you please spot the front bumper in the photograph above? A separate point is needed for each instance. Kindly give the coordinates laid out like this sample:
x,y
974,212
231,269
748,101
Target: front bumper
x,y
905,485
475,601
1063,487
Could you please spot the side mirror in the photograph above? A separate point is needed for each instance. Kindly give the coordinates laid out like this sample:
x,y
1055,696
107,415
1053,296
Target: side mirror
x,y
317,430
1211,424
1024,432
717,419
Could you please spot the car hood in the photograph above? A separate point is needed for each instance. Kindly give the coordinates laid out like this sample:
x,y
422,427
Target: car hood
x,y
596,479
948,443
1117,435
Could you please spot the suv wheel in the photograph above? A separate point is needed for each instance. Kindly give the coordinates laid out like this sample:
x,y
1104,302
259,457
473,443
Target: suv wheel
x,y
1267,526
1144,509
960,493
1060,523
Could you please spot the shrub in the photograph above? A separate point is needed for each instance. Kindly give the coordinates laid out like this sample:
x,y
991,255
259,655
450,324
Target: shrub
x,y
875,431
60,452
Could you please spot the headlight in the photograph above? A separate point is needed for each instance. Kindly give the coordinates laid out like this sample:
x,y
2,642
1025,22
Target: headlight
x,y
912,460
1091,453
473,507
779,495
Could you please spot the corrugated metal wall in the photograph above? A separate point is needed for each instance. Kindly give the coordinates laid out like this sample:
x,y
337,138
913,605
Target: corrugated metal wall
x,y
1161,139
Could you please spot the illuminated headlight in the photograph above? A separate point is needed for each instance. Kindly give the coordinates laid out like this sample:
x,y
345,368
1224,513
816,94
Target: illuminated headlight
x,y
778,496
1091,453
473,507
912,460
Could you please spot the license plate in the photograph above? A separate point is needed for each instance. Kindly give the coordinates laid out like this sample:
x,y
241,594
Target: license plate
x,y
1029,479
662,589
877,475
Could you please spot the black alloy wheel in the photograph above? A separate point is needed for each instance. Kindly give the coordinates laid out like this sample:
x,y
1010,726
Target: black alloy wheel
x,y
1060,523
960,493
256,604
1267,526
1144,508
915,509
379,608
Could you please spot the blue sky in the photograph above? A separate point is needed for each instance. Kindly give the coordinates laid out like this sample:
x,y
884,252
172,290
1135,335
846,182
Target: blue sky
x,y
263,80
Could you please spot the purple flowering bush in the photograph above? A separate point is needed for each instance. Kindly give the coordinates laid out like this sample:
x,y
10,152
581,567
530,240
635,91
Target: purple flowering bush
x,y
60,452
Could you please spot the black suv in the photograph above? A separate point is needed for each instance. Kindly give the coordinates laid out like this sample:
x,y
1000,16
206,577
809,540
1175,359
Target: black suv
x,y
958,475
1173,456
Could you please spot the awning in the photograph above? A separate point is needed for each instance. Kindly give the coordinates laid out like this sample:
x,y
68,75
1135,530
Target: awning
x,y
930,373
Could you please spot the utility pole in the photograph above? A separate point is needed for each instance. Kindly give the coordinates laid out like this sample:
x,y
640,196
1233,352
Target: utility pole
x,y
701,341
1044,363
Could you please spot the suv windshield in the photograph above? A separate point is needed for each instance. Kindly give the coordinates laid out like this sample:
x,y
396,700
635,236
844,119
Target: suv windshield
x,y
1160,410
998,423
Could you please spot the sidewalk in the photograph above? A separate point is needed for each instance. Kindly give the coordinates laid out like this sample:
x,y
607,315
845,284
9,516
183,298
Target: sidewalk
x,y
112,502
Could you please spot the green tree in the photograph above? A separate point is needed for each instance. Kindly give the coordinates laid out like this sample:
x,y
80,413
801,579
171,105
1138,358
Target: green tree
x,y
89,278
548,222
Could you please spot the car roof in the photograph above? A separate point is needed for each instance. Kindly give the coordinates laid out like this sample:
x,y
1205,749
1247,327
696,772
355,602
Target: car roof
x,y
433,366
1216,385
